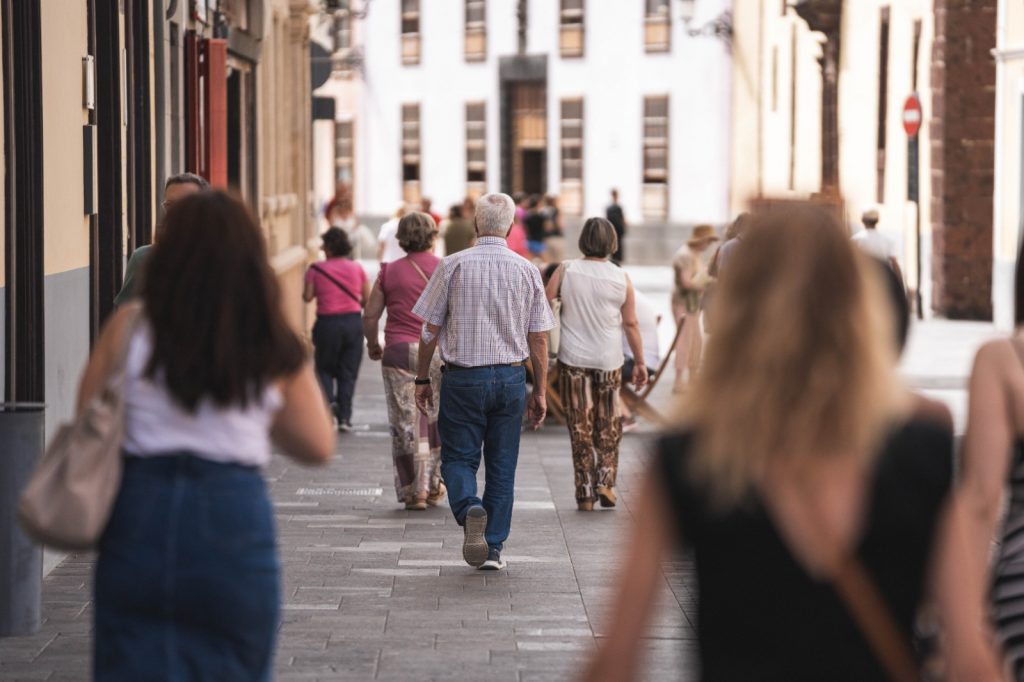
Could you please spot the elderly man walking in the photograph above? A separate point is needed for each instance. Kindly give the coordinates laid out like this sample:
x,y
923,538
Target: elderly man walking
x,y
487,309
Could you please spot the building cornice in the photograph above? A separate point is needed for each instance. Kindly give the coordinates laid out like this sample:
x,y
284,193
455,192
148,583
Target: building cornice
x,y
1010,54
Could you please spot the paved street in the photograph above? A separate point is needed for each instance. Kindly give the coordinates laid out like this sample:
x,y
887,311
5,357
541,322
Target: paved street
x,y
373,592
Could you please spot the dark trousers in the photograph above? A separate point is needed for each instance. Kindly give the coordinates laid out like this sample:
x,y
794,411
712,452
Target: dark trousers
x,y
338,352
482,408
187,580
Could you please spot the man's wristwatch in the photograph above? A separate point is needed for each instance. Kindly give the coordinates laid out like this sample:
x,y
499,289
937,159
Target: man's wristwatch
x,y
422,382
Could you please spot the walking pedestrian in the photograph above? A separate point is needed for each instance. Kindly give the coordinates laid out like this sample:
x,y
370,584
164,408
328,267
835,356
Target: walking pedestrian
x,y
598,305
459,233
339,212
876,244
993,478
415,445
388,248
534,224
176,188
425,207
554,231
341,289
691,277
815,502
719,261
187,582
617,218
486,308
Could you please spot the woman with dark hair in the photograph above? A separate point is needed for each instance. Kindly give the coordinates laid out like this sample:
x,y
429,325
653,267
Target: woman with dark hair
x,y
398,287
187,580
993,473
340,288
598,306
814,499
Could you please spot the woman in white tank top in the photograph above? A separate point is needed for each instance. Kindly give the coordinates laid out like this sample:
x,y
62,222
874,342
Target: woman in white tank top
x,y
187,580
597,306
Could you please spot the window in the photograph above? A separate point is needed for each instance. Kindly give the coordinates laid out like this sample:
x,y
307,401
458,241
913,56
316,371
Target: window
x,y
476,30
883,100
570,37
655,180
342,37
657,26
411,153
476,149
572,156
410,31
344,156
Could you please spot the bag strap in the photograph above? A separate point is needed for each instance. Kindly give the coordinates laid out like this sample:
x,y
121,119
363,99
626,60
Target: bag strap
x,y
418,269
338,284
114,380
868,609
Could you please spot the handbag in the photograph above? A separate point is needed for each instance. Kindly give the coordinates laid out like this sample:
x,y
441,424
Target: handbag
x,y
71,493
555,333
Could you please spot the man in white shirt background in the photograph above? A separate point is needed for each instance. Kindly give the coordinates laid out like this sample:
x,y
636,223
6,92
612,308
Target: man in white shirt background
x,y
876,244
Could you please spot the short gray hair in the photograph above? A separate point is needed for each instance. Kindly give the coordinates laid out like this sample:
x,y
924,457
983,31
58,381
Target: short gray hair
x,y
494,214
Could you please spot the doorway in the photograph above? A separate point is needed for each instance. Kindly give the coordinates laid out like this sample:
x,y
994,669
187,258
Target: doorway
x,y
241,129
532,165
529,137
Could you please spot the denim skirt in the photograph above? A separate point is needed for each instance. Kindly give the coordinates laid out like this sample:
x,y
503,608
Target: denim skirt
x,y
187,580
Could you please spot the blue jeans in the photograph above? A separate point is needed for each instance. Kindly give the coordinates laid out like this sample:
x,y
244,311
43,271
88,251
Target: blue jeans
x,y
187,580
482,407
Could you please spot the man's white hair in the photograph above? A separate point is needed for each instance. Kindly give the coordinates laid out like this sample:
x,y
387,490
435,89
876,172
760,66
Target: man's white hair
x,y
494,214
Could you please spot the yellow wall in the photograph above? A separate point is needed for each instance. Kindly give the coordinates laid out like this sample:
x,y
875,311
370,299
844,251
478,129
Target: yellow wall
x,y
64,43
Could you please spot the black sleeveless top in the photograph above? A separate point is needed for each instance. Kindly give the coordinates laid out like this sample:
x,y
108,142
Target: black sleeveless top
x,y
760,615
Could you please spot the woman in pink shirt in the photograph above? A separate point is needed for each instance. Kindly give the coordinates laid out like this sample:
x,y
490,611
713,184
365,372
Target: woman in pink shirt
x,y
398,287
340,288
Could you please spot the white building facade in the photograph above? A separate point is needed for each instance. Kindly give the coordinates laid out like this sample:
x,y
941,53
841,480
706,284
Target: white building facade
x,y
449,98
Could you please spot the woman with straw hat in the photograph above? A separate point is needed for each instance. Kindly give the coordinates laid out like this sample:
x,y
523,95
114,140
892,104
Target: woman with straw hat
x,y
691,277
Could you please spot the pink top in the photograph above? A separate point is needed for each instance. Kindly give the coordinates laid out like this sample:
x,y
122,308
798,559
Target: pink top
x,y
402,286
517,241
330,298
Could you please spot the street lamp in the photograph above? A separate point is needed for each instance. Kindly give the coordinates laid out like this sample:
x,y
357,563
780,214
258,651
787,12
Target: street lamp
x,y
720,27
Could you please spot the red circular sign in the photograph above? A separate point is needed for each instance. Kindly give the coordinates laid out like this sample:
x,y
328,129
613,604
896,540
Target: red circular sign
x,y
912,116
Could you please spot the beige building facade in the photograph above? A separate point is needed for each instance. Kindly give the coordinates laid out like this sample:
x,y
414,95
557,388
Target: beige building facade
x,y
1009,172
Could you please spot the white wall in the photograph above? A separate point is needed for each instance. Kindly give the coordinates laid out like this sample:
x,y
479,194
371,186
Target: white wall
x,y
613,77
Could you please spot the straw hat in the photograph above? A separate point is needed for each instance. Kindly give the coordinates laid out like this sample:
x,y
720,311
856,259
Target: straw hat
x,y
702,234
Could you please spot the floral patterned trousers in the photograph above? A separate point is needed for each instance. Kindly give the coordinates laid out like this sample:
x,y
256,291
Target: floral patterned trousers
x,y
415,443
591,400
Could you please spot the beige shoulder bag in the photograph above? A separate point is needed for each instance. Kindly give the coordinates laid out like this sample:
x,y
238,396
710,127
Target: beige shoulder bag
x,y
71,494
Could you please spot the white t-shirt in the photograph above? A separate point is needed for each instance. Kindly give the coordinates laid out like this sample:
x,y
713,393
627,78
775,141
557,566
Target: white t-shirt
x,y
875,244
648,318
389,238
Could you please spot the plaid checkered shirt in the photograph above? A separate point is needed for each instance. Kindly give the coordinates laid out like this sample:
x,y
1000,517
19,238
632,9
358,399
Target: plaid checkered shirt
x,y
485,299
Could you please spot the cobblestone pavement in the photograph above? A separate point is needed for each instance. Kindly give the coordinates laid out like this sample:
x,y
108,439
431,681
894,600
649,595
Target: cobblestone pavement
x,y
373,592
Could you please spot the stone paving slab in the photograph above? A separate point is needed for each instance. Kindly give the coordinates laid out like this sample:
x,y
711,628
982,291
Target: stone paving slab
x,y
374,592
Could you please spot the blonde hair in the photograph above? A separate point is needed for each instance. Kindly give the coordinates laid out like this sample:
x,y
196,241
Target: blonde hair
x,y
802,365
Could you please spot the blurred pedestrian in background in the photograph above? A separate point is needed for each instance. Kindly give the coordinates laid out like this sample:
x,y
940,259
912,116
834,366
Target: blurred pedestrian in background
x,y
816,504
340,288
187,581
554,231
486,308
617,218
534,223
517,240
597,308
459,233
388,248
176,188
876,244
733,238
340,212
691,277
993,479
425,207
415,444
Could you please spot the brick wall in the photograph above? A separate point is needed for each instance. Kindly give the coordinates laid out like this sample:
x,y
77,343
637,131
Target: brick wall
x,y
962,142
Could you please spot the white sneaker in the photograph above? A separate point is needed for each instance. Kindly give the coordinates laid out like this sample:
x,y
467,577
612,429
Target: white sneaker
x,y
494,561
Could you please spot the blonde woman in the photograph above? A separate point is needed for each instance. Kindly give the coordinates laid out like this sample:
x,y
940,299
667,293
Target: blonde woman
x,y
796,466
691,278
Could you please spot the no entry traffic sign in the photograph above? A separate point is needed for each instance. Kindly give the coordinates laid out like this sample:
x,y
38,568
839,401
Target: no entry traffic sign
x,y
912,116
